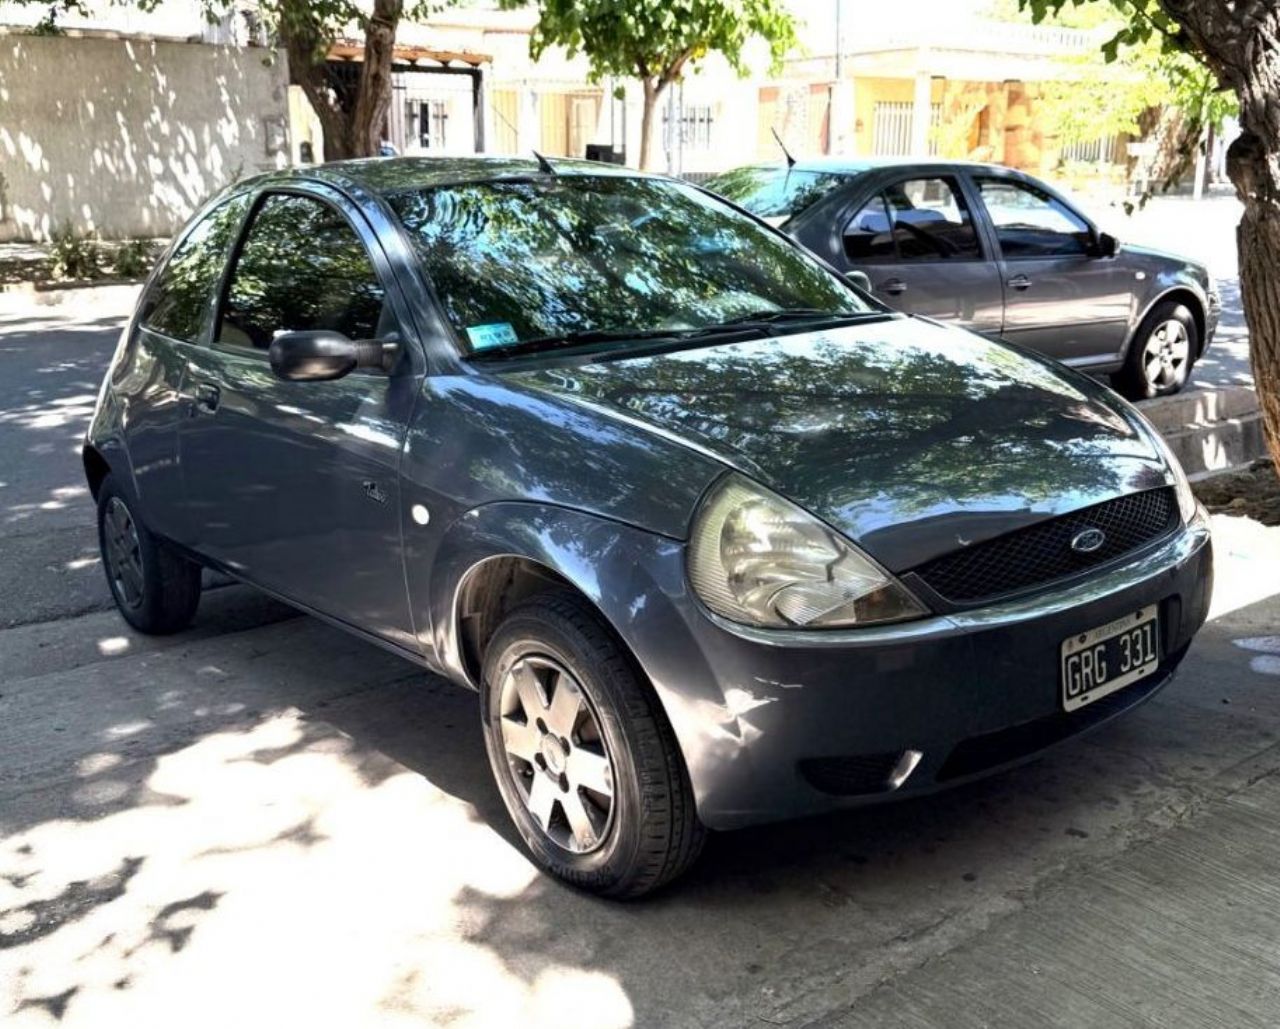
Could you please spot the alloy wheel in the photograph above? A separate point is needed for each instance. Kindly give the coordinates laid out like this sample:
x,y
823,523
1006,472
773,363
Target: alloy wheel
x,y
557,754
1165,356
123,552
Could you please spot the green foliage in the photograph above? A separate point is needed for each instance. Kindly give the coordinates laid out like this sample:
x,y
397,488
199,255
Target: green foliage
x,y
75,256
1143,64
654,40
133,258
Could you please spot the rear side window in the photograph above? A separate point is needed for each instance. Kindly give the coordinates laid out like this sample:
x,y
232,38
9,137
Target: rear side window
x,y
181,302
302,267
915,220
776,194
1031,223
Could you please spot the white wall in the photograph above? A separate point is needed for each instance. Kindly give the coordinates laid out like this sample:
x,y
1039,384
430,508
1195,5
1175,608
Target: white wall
x,y
126,138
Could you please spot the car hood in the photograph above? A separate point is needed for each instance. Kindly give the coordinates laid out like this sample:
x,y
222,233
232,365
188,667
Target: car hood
x,y
910,437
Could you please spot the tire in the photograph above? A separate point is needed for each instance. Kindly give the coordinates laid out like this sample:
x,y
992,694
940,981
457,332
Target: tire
x,y
642,833
155,588
1162,353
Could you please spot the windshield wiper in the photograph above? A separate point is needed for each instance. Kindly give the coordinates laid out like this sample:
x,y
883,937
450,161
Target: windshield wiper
x,y
741,323
542,344
788,314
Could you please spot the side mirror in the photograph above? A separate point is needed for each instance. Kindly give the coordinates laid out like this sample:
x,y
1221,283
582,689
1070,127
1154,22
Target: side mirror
x,y
859,279
319,355
1106,245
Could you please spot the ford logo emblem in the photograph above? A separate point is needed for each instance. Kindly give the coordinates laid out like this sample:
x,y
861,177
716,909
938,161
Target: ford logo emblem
x,y
1088,540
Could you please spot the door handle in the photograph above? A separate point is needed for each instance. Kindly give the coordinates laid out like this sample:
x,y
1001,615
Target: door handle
x,y
206,397
1019,282
894,287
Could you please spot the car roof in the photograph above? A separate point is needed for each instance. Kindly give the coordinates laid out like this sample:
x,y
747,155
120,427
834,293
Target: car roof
x,y
860,165
385,176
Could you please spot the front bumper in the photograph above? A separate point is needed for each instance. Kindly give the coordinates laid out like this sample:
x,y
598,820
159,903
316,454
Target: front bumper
x,y
779,724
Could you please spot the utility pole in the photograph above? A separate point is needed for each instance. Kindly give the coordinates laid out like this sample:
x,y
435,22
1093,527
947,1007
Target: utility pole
x,y
839,39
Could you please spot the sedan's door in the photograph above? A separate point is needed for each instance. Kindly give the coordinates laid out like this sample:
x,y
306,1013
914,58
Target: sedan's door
x,y
915,239
1062,297
294,485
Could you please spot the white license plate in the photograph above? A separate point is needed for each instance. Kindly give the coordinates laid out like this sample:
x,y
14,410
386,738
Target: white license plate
x,y
1110,657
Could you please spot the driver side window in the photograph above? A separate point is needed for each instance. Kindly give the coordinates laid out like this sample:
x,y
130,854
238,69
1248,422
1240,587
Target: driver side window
x,y
1031,223
302,266
916,220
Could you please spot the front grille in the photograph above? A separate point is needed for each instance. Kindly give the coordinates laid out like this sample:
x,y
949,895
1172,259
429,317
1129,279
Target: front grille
x,y
852,775
1042,553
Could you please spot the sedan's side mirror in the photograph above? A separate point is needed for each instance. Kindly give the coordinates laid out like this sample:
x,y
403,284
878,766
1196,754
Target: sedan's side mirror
x,y
318,355
1106,245
859,279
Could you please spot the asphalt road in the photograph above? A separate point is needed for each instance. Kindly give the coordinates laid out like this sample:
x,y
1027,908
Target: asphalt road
x,y
52,360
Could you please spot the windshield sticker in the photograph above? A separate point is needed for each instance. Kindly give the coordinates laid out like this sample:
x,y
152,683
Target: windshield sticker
x,y
495,334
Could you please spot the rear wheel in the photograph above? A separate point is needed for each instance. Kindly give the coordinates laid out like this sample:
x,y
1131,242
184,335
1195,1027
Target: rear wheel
x,y
155,588
586,763
1162,353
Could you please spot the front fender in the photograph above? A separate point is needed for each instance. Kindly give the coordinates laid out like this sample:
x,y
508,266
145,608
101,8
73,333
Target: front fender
x,y
637,583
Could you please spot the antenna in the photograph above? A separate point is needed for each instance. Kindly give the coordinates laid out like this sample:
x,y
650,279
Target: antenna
x,y
791,161
544,166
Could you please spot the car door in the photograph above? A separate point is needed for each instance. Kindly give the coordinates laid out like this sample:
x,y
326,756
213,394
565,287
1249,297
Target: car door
x,y
174,317
1062,297
294,485
916,241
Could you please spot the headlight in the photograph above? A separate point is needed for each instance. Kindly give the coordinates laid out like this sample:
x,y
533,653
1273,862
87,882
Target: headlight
x,y
758,559
1187,502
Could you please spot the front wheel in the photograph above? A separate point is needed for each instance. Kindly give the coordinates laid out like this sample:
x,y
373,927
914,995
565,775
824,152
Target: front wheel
x,y
155,588
585,760
1160,357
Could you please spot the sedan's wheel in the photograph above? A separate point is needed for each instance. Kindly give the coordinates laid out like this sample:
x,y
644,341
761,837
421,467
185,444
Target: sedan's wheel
x,y
155,588
1162,353
586,763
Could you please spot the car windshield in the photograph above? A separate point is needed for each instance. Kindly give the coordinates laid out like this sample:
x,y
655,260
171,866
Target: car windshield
x,y
776,194
585,258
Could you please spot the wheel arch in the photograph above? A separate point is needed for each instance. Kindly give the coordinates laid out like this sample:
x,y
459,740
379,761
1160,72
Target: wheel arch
x,y
1179,294
487,591
96,468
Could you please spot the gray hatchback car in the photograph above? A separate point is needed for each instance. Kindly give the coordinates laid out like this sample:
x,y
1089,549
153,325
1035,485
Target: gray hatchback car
x,y
997,252
718,538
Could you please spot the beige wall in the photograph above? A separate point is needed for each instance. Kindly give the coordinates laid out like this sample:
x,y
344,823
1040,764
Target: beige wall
x,y
126,138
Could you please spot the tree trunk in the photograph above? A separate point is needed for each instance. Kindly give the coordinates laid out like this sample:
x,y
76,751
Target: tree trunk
x,y
373,100
1240,43
653,90
352,120
1255,171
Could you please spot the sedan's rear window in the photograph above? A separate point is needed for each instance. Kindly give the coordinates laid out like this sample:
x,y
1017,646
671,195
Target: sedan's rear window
x,y
564,256
776,194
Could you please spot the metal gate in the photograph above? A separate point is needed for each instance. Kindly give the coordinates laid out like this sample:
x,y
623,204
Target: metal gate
x,y
891,128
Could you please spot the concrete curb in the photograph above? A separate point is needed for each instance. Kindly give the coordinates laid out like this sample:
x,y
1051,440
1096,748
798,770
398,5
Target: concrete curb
x,y
1210,430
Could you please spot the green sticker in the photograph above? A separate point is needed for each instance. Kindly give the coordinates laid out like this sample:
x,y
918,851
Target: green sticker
x,y
495,334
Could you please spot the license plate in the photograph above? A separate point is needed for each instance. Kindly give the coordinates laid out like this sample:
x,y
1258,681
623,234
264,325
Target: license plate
x,y
1110,657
